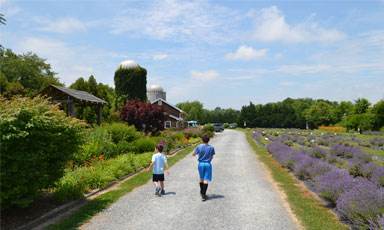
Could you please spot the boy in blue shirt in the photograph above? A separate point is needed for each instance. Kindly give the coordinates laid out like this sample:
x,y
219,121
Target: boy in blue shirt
x,y
205,152
158,162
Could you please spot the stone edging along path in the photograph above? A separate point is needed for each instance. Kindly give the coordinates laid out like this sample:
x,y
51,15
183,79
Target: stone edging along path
x,y
67,209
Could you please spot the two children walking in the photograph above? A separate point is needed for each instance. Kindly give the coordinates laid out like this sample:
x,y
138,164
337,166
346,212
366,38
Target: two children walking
x,y
205,154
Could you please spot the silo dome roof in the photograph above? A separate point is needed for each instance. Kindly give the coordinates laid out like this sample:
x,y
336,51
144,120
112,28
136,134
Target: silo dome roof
x,y
128,64
155,88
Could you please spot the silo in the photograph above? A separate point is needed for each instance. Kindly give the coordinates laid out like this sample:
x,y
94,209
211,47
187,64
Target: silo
x,y
154,92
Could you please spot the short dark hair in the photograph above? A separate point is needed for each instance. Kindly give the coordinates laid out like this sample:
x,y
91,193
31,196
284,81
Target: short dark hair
x,y
205,138
160,147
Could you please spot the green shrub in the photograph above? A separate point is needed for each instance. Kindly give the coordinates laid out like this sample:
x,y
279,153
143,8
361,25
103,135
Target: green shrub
x,y
288,142
209,129
192,133
125,147
37,139
144,145
98,174
122,132
113,118
226,125
95,147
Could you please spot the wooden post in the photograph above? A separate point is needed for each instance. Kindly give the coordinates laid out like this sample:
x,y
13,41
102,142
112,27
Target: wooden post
x,y
72,106
99,114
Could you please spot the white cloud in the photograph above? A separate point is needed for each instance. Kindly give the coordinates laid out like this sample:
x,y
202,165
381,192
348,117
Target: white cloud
x,y
246,53
288,83
303,69
159,56
243,78
271,26
68,62
205,76
64,25
176,20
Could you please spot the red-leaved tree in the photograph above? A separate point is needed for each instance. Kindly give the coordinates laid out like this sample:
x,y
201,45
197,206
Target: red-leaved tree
x,y
144,116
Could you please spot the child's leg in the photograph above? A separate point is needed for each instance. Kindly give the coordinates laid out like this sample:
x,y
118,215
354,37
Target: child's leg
x,y
156,184
162,185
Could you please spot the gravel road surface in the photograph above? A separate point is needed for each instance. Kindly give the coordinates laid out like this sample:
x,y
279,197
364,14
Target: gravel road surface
x,y
240,196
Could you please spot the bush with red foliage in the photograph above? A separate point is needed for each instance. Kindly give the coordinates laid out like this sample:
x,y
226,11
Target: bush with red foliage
x,y
143,115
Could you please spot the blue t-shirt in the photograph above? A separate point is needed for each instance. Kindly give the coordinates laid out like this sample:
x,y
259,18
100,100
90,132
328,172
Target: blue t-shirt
x,y
205,152
159,159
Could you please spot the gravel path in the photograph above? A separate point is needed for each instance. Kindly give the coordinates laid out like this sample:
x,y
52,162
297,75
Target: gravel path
x,y
241,197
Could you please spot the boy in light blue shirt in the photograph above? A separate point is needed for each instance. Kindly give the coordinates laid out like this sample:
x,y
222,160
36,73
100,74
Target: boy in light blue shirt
x,y
158,162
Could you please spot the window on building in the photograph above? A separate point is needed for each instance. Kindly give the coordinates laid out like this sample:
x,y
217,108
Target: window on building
x,y
167,124
159,102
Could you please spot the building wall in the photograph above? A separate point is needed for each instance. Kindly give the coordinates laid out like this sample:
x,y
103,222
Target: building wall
x,y
170,110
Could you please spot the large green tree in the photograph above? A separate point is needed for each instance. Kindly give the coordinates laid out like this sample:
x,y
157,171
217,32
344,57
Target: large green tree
x,y
99,90
194,110
131,83
361,105
319,114
378,112
25,74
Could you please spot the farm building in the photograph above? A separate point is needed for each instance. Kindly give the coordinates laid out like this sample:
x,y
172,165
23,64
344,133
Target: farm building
x,y
174,116
73,98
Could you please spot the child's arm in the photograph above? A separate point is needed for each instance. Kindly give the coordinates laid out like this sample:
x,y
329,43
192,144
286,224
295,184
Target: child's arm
x,y
150,166
168,172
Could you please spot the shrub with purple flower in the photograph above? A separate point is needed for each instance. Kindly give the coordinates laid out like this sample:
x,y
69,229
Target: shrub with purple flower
x,y
318,152
374,173
300,167
284,154
378,224
319,168
332,184
362,202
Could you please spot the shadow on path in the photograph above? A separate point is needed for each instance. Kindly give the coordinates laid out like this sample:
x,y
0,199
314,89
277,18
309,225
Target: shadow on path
x,y
169,193
215,196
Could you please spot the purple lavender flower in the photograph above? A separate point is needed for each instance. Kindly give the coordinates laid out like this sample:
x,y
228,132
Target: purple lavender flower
x,y
319,168
374,173
300,167
318,152
332,184
362,202
377,224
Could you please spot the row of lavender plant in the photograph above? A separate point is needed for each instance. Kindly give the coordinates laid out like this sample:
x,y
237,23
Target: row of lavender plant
x,y
357,199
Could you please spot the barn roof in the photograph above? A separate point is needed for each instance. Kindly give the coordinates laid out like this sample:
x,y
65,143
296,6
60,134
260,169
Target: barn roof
x,y
77,95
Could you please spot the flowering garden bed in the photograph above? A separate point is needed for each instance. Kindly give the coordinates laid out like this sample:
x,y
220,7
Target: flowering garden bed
x,y
344,176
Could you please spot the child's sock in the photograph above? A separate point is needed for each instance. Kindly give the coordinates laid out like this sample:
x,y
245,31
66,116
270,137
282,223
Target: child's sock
x,y
201,187
205,187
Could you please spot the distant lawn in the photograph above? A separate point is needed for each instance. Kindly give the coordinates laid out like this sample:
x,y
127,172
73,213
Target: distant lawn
x,y
373,152
364,137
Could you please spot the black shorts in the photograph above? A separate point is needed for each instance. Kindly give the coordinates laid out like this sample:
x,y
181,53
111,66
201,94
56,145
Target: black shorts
x,y
158,177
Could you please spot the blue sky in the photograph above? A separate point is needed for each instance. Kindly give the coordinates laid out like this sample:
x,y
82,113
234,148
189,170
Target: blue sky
x,y
222,53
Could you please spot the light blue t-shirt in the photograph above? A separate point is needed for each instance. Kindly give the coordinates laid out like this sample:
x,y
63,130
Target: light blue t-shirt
x,y
205,152
159,159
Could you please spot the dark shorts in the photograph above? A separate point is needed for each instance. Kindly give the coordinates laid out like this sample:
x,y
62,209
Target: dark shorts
x,y
158,177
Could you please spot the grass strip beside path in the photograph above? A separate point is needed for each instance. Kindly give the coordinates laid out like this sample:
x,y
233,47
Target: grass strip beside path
x,y
311,212
93,207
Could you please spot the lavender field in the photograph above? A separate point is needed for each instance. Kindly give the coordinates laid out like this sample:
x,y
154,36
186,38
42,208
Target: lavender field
x,y
345,170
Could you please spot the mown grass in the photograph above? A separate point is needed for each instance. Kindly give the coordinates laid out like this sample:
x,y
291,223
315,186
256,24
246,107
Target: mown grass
x,y
312,214
373,152
93,207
